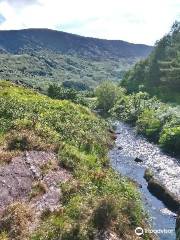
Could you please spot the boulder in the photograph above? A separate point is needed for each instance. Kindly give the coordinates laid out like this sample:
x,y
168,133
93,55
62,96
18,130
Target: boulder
x,y
138,160
119,147
161,192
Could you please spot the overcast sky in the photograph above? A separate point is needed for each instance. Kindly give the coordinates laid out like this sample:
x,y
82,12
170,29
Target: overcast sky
x,y
138,21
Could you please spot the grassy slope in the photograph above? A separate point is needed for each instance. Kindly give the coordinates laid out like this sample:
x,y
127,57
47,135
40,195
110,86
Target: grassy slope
x,y
96,198
45,67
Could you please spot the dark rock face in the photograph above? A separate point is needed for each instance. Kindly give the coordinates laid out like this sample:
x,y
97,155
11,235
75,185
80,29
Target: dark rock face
x,y
18,177
138,160
119,148
161,192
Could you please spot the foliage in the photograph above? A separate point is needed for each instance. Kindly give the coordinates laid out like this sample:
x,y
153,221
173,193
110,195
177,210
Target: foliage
x,y
158,121
159,74
105,213
95,197
129,107
42,68
107,94
170,139
59,92
78,86
149,125
51,120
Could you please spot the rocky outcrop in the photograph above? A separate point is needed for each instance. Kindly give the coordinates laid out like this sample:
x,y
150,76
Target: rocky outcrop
x,y
161,192
32,178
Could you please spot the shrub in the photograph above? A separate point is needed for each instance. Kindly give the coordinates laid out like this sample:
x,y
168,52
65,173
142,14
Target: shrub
x,y
59,92
105,213
129,107
149,124
170,139
107,95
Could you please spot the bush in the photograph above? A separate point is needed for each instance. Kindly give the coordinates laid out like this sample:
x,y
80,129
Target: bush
x,y
129,107
170,139
59,92
149,124
105,213
107,95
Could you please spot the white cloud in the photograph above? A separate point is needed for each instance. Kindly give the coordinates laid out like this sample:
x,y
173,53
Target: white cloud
x,y
142,21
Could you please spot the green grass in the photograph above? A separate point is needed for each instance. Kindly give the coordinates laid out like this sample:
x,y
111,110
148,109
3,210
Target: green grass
x,y
96,198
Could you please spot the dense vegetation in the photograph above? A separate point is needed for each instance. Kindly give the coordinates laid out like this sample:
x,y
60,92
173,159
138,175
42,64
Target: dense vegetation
x,y
158,121
39,57
96,199
159,74
42,68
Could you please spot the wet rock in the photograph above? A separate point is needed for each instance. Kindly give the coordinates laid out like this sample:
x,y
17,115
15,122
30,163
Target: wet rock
x,y
119,147
161,192
138,160
166,211
167,168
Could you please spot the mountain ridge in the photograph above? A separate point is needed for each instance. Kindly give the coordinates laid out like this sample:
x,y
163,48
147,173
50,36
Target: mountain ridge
x,y
26,40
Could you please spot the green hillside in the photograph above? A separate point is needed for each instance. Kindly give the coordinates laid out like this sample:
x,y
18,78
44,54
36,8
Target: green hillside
x,y
37,57
42,68
95,199
159,74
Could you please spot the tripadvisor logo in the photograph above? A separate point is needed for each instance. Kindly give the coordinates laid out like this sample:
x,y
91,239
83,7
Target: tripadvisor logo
x,y
139,231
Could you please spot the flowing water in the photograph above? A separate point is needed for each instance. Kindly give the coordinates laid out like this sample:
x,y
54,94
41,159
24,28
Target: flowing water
x,y
128,146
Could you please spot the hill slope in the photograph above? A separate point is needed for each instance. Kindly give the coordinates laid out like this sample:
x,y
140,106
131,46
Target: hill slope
x,y
31,40
38,57
53,158
160,73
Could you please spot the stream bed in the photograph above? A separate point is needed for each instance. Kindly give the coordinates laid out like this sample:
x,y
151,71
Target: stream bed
x,y
128,146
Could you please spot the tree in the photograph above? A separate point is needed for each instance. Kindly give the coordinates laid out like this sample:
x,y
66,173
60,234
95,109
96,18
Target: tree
x,y
59,92
107,94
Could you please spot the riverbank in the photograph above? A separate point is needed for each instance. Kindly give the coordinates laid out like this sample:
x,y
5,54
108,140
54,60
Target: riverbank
x,y
130,146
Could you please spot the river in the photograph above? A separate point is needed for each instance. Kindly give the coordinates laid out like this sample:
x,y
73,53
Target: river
x,y
166,169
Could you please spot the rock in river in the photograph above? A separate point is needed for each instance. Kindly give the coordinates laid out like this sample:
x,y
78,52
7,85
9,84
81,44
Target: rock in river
x,y
161,192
